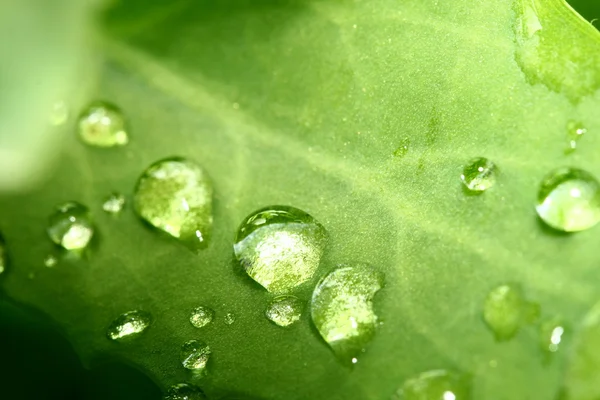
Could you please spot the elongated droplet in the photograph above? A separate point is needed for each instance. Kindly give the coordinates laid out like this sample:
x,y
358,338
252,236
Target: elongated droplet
x,y
229,318
575,131
201,316
102,124
194,355
551,335
505,310
175,196
129,325
284,310
114,203
3,255
184,391
479,174
342,309
71,226
569,200
280,247
436,385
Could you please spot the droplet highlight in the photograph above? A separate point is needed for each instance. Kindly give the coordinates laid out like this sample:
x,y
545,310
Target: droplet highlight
x,y
102,124
436,385
569,200
284,310
506,310
280,247
201,316
184,391
551,335
70,226
129,325
575,132
479,174
114,203
342,309
175,196
194,355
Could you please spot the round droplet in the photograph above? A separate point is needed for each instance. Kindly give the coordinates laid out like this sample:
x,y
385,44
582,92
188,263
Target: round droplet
x,y
280,247
284,310
201,316
229,318
59,113
569,200
505,310
551,335
436,385
184,391
50,261
129,325
3,255
195,355
114,203
342,309
175,196
102,125
479,174
71,226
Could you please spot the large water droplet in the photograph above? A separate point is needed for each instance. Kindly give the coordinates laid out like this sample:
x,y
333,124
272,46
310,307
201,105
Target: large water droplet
x,y
102,125
71,226
569,200
184,391
342,309
229,318
280,247
575,131
194,355
284,310
3,255
479,174
201,316
175,196
114,203
129,325
436,385
505,310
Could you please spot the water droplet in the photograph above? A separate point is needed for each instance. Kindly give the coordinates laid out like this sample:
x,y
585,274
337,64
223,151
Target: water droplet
x,y
575,131
402,150
102,125
59,113
342,308
551,335
3,255
194,355
280,247
114,203
436,385
71,226
284,310
229,318
175,196
569,200
129,325
505,310
479,174
50,261
201,316
184,391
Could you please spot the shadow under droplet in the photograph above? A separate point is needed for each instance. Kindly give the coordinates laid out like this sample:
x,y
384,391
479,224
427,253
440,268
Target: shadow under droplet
x,y
548,230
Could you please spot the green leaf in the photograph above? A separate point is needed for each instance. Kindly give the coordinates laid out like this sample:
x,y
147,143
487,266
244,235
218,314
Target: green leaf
x,y
304,103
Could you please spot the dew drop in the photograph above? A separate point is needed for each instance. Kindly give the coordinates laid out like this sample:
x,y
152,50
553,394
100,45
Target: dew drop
x,y
229,318
575,131
551,335
284,310
201,316
3,256
436,385
102,124
59,113
184,391
342,309
280,247
194,355
50,261
114,203
479,174
505,310
175,196
129,325
569,200
70,226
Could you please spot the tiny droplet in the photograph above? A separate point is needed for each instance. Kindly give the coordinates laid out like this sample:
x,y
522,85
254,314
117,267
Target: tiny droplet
x,y
229,318
551,335
102,124
184,391
436,385
201,316
59,113
50,261
505,310
114,203
194,355
3,255
402,149
70,226
284,310
575,131
129,325
479,174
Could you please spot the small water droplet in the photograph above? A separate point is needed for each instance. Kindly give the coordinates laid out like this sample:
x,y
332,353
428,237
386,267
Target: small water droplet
x,y
229,318
505,310
569,200
194,355
402,149
436,385
71,226
3,255
280,247
479,174
551,335
575,131
175,196
284,310
50,261
342,309
102,124
184,391
129,325
201,316
114,203
59,113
